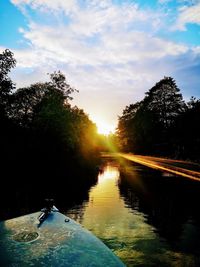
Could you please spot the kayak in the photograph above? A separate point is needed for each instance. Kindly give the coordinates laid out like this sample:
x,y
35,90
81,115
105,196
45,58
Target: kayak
x,y
52,239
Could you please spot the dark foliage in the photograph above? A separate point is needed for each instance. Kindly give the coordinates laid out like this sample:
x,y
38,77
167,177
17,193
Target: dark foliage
x,y
161,124
46,144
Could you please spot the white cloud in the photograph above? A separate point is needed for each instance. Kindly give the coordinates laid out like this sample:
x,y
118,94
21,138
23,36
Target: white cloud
x,y
67,6
188,14
196,50
111,53
63,45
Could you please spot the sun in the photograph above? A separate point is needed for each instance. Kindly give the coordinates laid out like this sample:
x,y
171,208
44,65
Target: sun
x,y
104,129
104,126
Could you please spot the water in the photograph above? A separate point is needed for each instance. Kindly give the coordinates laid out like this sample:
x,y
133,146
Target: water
x,y
146,217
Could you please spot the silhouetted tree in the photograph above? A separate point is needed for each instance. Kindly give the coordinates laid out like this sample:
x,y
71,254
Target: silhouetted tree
x,y
166,101
7,62
58,82
186,131
145,126
126,131
43,132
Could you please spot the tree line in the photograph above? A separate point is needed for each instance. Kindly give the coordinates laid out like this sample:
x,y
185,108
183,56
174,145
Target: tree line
x,y
161,124
43,139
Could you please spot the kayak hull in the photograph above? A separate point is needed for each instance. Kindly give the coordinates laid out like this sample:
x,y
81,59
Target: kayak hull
x,y
58,241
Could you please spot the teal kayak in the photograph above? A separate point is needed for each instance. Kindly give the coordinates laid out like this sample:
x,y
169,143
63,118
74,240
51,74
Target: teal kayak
x,y
53,241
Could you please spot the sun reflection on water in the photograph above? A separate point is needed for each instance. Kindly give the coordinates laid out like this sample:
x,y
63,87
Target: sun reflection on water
x,y
114,213
109,172
108,216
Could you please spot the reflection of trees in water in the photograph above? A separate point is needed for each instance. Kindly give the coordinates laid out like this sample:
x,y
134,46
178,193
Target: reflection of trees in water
x,y
27,195
77,212
169,202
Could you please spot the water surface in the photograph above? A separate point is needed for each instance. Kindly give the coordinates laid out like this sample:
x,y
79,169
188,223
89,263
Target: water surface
x,y
146,217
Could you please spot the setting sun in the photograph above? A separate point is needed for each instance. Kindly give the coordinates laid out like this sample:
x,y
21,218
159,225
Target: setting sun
x,y
103,127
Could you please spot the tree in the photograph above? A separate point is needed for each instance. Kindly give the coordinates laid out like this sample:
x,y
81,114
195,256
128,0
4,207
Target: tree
x,y
58,82
126,127
145,126
27,101
58,133
43,138
186,131
7,62
165,100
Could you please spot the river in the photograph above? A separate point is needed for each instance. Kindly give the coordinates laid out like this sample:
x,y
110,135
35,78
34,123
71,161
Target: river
x,y
146,217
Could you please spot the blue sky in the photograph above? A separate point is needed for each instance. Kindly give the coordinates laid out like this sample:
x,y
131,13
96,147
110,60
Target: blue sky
x,y
111,51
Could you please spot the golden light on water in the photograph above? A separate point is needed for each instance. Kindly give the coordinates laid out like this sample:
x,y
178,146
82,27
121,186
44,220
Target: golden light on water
x,y
115,213
108,217
163,165
109,173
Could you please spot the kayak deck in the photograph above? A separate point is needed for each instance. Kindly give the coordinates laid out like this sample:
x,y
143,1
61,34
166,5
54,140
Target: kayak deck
x,y
58,241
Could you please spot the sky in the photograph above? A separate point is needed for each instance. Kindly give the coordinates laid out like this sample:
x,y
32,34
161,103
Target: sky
x,y
112,51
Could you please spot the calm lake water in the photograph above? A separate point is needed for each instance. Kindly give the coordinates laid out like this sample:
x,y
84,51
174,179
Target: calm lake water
x,y
146,217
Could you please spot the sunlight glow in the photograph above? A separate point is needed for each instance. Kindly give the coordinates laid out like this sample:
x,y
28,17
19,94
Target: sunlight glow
x,y
104,125
104,128
109,173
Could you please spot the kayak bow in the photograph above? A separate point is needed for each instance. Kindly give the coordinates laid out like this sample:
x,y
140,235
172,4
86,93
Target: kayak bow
x,y
51,239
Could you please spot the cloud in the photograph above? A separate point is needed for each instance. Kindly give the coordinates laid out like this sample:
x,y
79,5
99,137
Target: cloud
x,y
188,14
196,50
66,6
99,34
111,53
